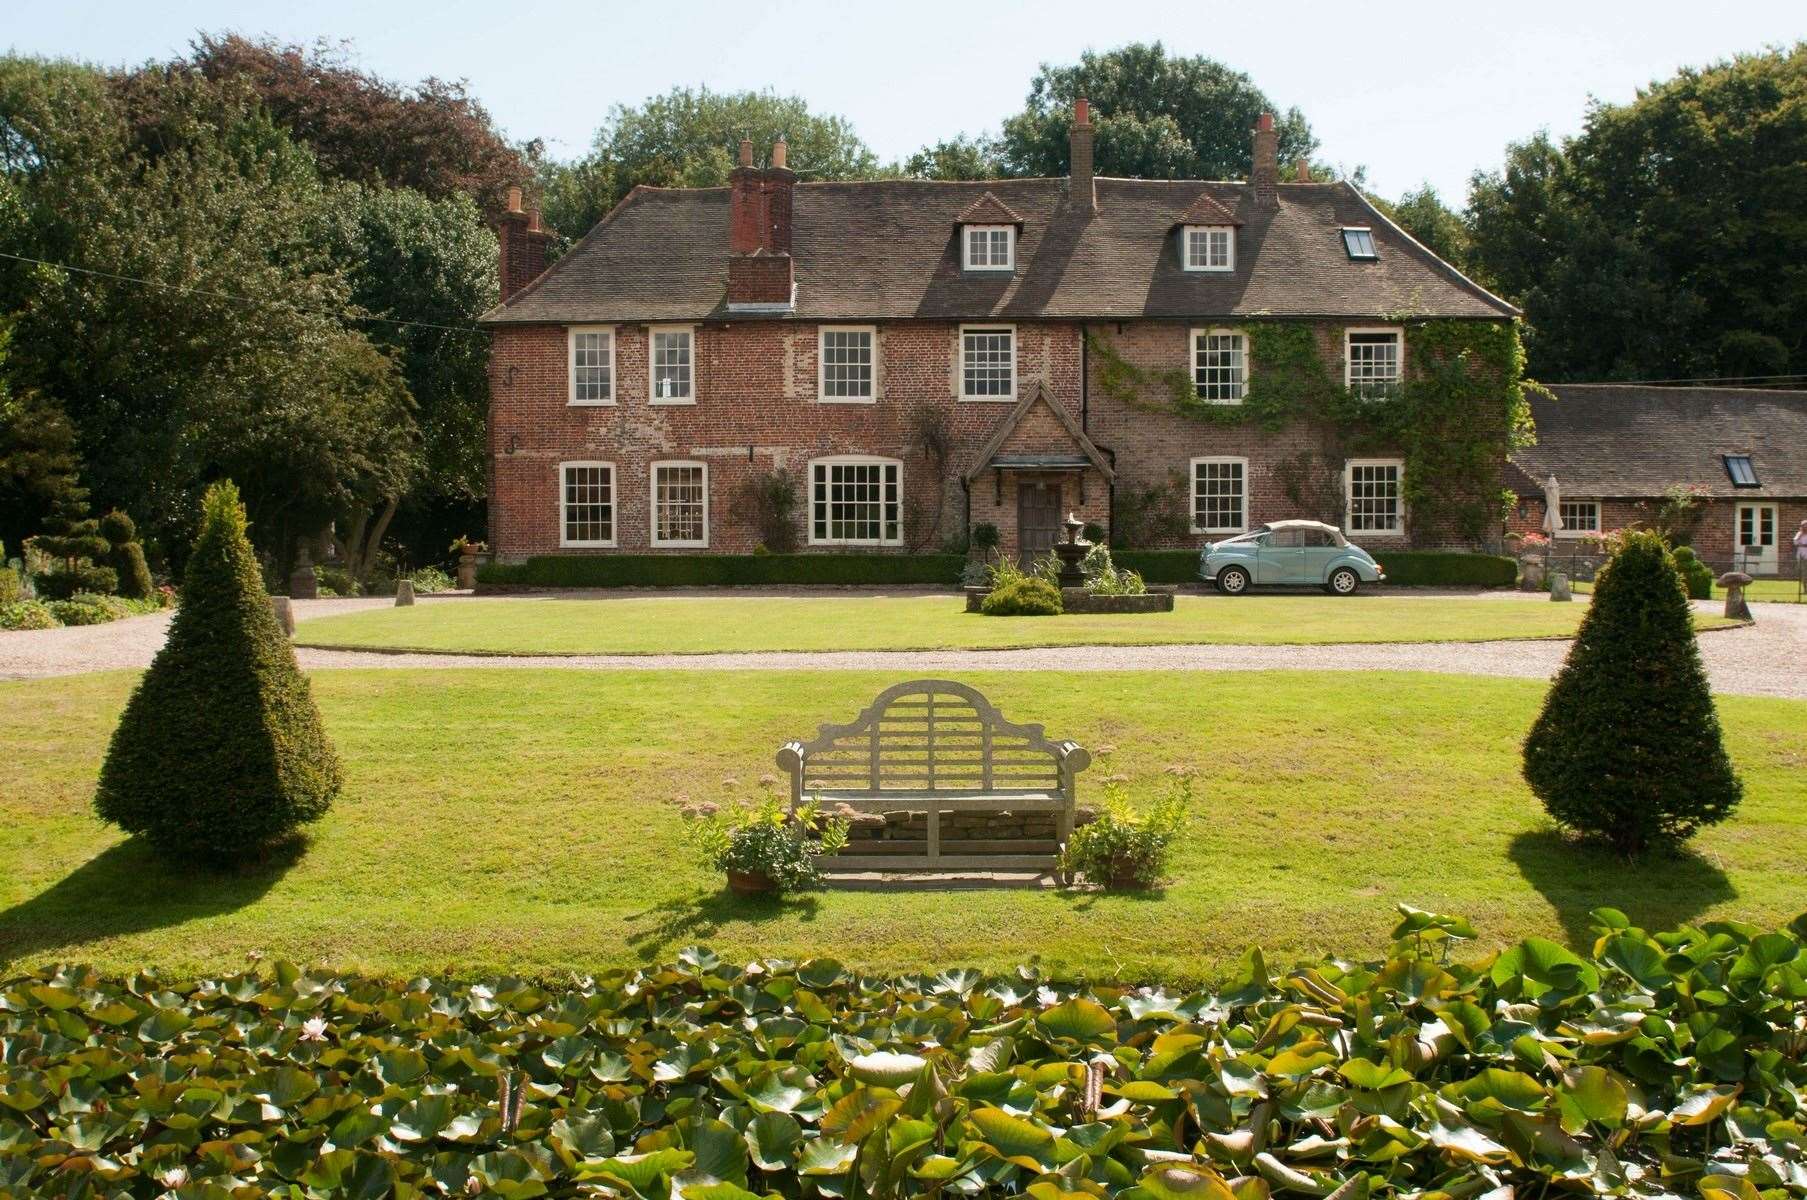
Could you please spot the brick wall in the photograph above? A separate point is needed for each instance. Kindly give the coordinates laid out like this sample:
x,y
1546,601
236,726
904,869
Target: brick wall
x,y
756,410
1712,537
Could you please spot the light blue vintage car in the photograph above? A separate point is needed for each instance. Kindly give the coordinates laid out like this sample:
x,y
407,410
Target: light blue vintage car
x,y
1288,554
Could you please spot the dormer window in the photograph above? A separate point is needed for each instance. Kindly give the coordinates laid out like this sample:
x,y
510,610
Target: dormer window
x,y
1742,473
989,247
1358,240
1209,247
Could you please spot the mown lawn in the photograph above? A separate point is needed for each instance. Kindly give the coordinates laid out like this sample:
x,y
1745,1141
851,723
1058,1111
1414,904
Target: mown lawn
x,y
691,624
524,821
1769,591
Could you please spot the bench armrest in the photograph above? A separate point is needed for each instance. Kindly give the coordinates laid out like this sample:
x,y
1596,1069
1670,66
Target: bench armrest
x,y
1073,756
790,757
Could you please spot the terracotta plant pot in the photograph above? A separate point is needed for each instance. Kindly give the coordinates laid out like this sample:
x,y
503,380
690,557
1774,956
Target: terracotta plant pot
x,y
751,883
467,571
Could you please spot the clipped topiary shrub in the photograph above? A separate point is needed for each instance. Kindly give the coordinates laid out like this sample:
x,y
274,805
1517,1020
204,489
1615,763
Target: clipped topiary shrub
x,y
1697,577
1628,748
87,608
1027,596
221,751
126,556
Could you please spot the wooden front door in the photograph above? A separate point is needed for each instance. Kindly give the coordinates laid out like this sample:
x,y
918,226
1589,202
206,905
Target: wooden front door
x,y
1038,518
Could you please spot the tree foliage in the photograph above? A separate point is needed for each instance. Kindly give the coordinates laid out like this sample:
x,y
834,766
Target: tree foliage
x,y
690,138
220,752
432,137
1667,240
1157,116
1628,748
38,459
1434,224
960,157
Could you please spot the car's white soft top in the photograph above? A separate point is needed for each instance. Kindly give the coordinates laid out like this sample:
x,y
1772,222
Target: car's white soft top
x,y
1275,526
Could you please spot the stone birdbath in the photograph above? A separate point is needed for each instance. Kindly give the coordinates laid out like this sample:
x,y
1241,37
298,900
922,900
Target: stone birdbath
x,y
1736,607
1071,553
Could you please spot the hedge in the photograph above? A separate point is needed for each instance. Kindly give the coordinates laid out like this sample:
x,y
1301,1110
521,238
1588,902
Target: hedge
x,y
1405,568
687,570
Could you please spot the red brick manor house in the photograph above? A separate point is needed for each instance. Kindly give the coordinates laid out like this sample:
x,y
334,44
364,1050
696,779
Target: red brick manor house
x,y
922,357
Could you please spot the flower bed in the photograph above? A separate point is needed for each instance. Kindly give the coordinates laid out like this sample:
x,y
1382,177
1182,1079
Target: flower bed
x,y
1659,1064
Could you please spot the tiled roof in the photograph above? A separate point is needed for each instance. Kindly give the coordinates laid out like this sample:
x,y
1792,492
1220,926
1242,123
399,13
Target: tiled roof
x,y
1208,210
888,250
1621,440
988,210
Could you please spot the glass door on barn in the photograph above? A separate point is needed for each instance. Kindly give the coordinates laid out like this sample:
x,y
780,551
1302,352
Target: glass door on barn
x,y
1754,548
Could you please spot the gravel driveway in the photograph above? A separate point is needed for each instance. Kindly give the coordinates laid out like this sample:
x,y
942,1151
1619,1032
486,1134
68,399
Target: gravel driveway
x,y
1762,660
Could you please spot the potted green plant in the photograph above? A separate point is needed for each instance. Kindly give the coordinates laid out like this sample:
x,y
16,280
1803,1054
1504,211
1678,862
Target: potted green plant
x,y
1127,847
767,847
467,551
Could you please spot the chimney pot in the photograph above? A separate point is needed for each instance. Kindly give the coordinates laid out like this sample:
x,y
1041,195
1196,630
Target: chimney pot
x,y
1265,121
779,150
746,152
533,220
1302,172
514,199
1082,111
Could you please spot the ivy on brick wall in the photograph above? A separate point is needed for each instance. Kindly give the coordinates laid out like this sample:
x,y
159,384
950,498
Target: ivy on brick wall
x,y
1461,411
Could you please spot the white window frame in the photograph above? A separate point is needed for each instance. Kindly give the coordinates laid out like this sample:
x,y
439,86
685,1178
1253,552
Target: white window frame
x,y
1397,529
1373,254
1008,397
966,247
652,503
614,507
652,367
1569,531
822,396
572,333
1197,335
850,460
1205,232
1192,492
1398,331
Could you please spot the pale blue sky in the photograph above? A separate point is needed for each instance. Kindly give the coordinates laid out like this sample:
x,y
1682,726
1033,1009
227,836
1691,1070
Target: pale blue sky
x,y
1420,91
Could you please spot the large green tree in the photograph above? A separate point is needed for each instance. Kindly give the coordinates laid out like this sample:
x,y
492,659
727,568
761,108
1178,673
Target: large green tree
x,y
689,138
1668,239
1158,116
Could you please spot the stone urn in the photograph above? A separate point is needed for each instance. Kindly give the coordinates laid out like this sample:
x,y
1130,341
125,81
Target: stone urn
x,y
751,883
467,571
1071,553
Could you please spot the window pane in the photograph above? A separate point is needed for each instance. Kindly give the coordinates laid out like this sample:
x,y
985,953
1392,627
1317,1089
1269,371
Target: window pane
x,y
1581,515
1218,367
847,363
1359,243
1218,495
856,502
1374,498
988,362
1373,364
671,365
679,504
589,504
590,379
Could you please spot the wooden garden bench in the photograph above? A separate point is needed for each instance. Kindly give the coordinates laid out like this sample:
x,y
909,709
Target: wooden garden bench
x,y
936,747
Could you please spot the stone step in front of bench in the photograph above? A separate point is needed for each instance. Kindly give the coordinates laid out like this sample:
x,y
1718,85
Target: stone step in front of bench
x,y
897,847
947,862
939,881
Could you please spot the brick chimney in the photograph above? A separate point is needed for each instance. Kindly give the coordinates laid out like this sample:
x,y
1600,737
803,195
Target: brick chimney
x,y
1266,175
760,273
1079,157
523,245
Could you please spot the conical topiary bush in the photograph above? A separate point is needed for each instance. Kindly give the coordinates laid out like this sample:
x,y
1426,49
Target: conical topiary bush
x,y
220,752
1628,747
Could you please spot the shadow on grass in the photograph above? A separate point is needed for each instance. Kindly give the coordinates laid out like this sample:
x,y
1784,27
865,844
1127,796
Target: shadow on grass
x,y
654,933
1659,891
128,888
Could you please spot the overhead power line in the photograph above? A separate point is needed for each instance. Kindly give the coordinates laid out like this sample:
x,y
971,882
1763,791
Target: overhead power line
x,y
1723,380
343,313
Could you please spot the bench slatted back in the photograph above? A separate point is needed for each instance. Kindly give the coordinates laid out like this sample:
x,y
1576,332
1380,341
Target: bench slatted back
x,y
935,736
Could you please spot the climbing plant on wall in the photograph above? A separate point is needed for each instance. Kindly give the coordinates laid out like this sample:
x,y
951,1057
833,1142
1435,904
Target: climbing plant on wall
x,y
1461,411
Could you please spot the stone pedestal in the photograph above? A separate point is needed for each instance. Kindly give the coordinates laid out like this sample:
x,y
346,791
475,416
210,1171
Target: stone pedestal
x,y
404,592
1531,575
1559,586
1736,607
303,583
467,571
285,614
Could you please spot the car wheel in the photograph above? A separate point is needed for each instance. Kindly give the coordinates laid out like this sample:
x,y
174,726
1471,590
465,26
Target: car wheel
x,y
1232,581
1344,581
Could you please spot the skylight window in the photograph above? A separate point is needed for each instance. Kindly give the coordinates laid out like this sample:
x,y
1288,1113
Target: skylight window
x,y
1359,242
1739,467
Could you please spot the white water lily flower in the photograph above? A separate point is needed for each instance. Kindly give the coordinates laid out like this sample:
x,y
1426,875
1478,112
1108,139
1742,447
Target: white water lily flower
x,y
173,1178
313,1030
886,1068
